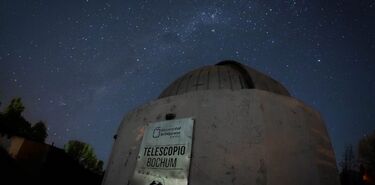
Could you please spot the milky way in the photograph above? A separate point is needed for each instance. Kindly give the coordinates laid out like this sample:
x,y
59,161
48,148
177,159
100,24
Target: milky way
x,y
80,65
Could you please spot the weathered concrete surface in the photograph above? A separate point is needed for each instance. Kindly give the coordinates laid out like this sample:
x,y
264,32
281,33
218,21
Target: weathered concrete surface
x,y
244,137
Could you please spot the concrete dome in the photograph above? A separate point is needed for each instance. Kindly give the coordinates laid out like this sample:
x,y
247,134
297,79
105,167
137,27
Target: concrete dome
x,y
247,130
224,75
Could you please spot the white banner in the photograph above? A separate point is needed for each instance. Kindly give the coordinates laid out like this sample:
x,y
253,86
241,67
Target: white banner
x,y
165,153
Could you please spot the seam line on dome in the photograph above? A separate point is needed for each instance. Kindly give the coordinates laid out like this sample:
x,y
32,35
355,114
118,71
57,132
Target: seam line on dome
x,y
218,74
197,81
241,83
230,79
208,80
178,86
187,83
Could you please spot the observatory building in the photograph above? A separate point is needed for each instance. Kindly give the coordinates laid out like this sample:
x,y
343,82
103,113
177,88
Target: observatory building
x,y
223,124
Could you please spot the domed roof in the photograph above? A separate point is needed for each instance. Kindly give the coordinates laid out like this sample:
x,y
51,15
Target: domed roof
x,y
224,75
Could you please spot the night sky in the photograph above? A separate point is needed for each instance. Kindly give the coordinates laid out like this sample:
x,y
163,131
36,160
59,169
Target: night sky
x,y
80,65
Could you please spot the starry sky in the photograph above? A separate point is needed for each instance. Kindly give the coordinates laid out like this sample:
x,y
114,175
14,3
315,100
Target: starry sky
x,y
80,65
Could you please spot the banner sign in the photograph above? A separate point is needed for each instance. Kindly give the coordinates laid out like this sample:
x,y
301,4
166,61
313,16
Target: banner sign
x,y
165,153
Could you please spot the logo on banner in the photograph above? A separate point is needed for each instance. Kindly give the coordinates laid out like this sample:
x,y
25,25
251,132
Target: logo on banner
x,y
156,132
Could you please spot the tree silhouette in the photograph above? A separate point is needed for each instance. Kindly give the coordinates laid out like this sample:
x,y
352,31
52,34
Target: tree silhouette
x,y
13,123
349,161
39,132
84,154
350,174
15,108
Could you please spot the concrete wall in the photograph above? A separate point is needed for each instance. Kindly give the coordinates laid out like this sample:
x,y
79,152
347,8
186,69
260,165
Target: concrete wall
x,y
12,144
5,141
240,137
